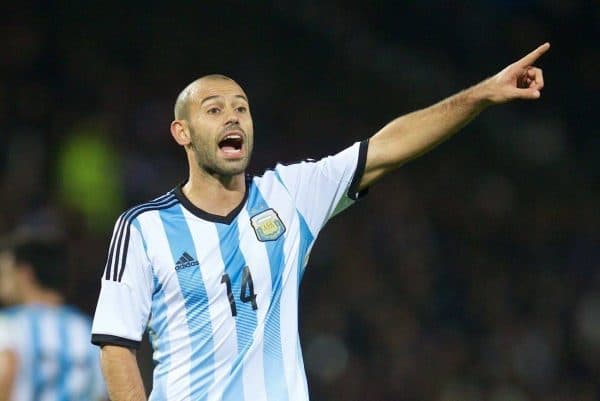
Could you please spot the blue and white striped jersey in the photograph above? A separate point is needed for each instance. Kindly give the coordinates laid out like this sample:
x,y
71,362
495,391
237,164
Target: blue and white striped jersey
x,y
219,294
55,360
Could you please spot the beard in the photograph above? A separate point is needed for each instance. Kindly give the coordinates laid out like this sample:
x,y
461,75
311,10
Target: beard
x,y
207,160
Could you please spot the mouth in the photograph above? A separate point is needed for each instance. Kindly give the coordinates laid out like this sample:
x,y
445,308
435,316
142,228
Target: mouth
x,y
232,144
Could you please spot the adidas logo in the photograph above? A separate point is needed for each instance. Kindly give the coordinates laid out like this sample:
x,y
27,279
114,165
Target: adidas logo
x,y
185,261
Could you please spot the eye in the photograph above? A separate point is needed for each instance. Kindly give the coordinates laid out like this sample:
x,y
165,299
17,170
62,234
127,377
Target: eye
x,y
213,110
241,109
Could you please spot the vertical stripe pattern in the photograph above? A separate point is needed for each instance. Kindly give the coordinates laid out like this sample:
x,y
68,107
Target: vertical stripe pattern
x,y
160,341
196,302
245,315
36,377
306,243
56,360
273,359
206,241
173,377
219,294
257,259
63,357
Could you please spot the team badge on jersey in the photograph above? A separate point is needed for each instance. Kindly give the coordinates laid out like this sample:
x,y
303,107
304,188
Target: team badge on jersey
x,y
267,225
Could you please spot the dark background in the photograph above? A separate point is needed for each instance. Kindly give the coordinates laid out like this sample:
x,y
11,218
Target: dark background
x,y
469,274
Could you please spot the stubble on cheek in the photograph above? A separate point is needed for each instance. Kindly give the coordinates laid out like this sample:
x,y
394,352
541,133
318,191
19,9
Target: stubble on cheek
x,y
207,158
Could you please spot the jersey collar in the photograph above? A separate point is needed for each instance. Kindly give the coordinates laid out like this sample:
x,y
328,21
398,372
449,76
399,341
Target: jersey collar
x,y
204,215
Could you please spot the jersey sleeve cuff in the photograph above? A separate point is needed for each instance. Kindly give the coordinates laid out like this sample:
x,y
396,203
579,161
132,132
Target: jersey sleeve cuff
x,y
353,192
106,339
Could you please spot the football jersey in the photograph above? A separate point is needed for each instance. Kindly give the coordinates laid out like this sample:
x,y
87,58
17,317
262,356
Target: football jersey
x,y
55,360
219,294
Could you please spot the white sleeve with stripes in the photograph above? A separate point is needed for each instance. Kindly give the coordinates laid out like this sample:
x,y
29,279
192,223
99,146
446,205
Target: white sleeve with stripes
x,y
324,188
125,297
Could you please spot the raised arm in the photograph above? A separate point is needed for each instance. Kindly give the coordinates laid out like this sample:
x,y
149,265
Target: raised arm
x,y
122,374
415,133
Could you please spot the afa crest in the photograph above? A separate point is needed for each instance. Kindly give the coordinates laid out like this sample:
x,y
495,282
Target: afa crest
x,y
267,225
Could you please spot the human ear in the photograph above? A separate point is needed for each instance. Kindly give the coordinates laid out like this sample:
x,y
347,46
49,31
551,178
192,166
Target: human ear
x,y
180,132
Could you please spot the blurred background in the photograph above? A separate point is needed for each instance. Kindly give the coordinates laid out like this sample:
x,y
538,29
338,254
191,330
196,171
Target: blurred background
x,y
472,273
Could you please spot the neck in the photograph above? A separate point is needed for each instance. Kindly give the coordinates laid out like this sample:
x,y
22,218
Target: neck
x,y
213,193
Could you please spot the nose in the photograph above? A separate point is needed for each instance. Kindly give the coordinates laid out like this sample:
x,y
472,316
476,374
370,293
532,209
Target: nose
x,y
232,117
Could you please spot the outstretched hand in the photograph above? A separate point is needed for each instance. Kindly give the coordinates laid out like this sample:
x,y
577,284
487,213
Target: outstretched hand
x,y
520,80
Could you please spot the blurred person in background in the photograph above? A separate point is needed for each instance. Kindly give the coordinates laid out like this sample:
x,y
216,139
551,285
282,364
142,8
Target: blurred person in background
x,y
44,344
212,268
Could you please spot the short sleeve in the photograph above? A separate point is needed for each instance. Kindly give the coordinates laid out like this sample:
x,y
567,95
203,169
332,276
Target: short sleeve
x,y
123,307
321,189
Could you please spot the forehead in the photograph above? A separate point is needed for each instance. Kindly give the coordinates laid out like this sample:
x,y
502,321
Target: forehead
x,y
215,87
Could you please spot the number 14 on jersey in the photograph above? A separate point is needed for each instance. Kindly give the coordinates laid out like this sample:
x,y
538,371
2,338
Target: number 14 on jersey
x,y
246,291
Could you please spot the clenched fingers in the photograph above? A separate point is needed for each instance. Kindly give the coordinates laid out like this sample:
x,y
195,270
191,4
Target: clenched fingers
x,y
534,78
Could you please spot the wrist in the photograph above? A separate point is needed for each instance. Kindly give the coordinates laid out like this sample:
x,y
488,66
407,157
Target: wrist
x,y
482,95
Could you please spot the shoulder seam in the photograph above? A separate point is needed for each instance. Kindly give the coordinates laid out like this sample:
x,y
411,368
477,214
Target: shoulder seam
x,y
285,164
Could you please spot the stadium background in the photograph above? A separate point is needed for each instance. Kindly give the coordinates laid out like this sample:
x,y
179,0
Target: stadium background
x,y
470,274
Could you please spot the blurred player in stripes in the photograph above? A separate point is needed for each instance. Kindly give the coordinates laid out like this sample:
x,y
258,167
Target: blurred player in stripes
x,y
45,353
212,268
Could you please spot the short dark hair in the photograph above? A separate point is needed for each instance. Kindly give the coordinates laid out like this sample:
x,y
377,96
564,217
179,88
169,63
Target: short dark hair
x,y
181,108
46,255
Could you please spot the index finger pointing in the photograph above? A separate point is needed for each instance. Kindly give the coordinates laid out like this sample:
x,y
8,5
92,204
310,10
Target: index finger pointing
x,y
534,55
